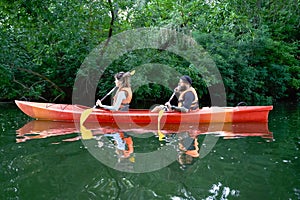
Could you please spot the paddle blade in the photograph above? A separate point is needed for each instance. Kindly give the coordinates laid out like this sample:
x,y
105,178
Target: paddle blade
x,y
132,72
161,136
85,133
85,114
132,159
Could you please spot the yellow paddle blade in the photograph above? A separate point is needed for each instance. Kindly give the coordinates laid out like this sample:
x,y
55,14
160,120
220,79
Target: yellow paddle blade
x,y
132,72
85,114
85,133
132,159
161,136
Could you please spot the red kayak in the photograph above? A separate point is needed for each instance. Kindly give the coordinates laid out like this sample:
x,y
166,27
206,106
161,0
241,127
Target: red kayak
x,y
69,112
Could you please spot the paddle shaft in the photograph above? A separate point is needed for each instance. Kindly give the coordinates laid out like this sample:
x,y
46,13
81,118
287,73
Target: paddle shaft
x,y
109,93
171,97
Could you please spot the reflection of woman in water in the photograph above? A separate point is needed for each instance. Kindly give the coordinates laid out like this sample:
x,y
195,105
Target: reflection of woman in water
x,y
188,147
123,143
124,152
122,158
127,149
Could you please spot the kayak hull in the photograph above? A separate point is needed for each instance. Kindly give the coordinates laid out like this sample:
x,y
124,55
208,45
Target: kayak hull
x,y
72,113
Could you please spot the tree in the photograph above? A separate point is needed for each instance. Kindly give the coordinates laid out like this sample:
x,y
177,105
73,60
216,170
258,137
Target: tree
x,y
255,45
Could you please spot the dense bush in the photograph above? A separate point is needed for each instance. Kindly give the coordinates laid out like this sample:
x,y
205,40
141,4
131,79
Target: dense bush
x,y
254,44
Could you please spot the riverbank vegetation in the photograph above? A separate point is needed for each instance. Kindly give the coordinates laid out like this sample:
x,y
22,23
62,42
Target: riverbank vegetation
x,y
255,45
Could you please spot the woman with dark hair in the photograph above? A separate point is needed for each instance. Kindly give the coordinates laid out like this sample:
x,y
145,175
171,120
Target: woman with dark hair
x,y
123,95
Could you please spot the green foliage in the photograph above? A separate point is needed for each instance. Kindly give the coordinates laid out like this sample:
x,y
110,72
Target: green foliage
x,y
256,70
254,44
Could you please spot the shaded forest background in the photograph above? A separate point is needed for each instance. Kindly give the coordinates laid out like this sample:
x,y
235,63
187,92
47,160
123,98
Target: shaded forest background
x,y
254,43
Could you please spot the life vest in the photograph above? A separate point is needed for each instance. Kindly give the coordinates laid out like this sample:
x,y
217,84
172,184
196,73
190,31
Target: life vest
x,y
193,150
128,94
194,104
129,145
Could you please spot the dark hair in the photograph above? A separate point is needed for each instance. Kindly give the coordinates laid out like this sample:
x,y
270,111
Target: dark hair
x,y
119,75
124,78
186,79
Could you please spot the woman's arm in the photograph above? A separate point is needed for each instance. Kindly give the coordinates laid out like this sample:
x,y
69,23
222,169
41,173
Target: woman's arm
x,y
121,96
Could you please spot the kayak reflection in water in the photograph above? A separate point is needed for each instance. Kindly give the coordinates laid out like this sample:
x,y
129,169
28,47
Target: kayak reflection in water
x,y
123,95
187,97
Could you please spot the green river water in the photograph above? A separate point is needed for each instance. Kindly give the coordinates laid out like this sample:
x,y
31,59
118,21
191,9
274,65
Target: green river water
x,y
57,167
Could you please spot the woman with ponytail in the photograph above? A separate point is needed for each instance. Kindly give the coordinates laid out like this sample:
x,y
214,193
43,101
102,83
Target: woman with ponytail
x,y
123,95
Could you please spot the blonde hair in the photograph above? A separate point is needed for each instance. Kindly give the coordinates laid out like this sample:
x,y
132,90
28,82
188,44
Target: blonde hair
x,y
124,78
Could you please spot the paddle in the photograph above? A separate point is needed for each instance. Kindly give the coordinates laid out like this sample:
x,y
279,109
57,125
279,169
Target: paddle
x,y
160,114
85,133
160,134
171,97
107,94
